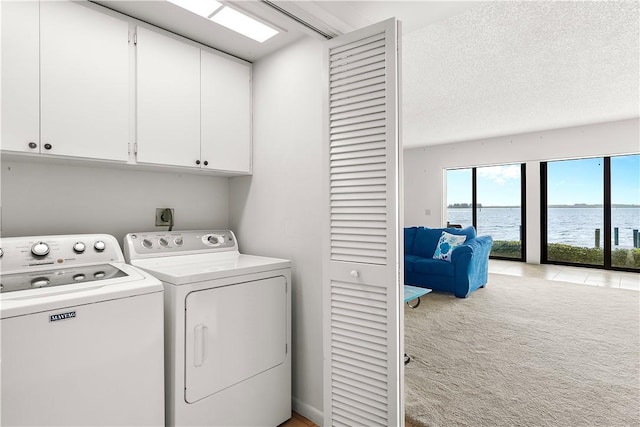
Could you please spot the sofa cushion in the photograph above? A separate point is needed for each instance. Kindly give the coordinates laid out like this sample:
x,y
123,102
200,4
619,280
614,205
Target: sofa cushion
x,y
447,243
409,237
425,241
434,266
409,260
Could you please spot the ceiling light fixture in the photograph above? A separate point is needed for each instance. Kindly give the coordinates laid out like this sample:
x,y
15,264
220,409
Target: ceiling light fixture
x,y
243,24
229,18
204,8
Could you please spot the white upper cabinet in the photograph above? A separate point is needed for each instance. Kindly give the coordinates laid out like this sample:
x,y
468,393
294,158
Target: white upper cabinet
x,y
65,80
168,101
20,76
73,85
84,82
226,113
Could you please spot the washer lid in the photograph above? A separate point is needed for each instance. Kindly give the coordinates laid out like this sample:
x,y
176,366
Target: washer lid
x,y
127,281
180,270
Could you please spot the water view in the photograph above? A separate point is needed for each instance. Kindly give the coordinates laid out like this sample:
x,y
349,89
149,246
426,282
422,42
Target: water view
x,y
568,225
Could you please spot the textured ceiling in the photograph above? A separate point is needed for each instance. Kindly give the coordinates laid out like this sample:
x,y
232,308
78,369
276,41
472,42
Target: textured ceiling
x,y
504,68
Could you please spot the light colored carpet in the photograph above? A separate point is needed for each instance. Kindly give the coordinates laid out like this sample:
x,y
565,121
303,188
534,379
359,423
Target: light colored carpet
x,y
524,352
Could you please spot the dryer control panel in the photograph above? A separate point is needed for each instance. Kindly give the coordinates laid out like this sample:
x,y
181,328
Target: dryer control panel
x,y
168,243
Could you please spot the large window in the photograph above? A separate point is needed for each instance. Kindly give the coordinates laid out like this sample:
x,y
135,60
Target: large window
x,y
591,212
492,200
459,197
625,211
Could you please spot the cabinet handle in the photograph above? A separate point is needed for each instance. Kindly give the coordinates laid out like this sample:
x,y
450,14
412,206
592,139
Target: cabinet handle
x,y
47,146
206,163
33,145
197,162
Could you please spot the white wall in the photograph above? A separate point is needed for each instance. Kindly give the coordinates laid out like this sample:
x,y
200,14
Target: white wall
x,y
54,197
276,211
424,168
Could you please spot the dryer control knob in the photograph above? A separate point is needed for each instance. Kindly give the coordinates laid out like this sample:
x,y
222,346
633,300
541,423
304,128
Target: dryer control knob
x,y
147,243
178,241
79,247
163,242
1,252
99,246
215,240
40,249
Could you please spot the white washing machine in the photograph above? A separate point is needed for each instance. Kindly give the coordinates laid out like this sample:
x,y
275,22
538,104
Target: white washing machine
x,y
227,328
81,334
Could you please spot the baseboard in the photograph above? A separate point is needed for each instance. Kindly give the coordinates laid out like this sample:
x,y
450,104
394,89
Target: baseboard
x,y
307,411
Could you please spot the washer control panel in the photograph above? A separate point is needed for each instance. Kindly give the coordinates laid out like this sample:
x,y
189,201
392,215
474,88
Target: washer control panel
x,y
165,243
37,252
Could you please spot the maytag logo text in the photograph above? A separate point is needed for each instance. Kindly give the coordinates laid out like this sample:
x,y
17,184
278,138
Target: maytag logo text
x,y
62,316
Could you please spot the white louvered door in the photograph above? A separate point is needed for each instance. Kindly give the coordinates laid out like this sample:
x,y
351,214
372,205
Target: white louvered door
x,y
362,269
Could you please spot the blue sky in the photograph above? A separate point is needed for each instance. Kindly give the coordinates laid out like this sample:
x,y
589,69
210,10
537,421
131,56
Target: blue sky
x,y
570,181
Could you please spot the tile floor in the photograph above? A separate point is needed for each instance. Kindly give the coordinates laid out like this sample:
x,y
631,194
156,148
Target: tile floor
x,y
587,276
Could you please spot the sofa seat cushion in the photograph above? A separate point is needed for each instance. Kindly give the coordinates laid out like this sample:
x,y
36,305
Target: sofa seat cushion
x,y
409,261
434,266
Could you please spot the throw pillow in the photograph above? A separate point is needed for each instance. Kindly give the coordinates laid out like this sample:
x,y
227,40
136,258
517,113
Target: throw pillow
x,y
447,243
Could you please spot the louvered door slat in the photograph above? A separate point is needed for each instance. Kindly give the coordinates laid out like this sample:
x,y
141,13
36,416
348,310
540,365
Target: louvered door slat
x,y
372,92
370,68
354,125
338,84
359,52
362,294
351,114
367,57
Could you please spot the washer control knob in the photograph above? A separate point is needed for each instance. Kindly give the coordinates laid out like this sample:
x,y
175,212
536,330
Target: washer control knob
x,y
178,241
79,247
39,282
163,242
40,249
98,274
79,277
147,243
1,252
99,246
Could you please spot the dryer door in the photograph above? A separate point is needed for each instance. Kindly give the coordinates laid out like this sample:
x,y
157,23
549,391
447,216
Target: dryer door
x,y
233,333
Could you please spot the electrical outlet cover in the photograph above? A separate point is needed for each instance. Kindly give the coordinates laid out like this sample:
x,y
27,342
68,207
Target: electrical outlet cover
x,y
159,221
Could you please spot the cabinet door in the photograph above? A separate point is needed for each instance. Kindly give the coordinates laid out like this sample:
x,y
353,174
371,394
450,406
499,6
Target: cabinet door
x,y
20,74
226,113
168,102
84,82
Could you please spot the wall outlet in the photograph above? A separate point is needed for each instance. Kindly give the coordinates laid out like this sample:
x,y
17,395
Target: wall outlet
x,y
163,218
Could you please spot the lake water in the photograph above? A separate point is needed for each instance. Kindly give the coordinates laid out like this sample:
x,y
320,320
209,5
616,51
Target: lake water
x,y
573,226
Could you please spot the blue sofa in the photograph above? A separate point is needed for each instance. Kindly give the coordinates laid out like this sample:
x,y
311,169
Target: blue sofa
x,y
467,271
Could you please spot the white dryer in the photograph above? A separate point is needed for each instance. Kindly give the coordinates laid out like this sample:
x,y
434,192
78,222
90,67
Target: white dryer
x,y
227,328
81,334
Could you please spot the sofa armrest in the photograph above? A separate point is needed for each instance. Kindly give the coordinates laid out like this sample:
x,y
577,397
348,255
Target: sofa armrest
x,y
471,261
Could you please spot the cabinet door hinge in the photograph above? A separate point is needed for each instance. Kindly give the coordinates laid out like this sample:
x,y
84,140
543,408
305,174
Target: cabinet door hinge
x,y
135,39
135,148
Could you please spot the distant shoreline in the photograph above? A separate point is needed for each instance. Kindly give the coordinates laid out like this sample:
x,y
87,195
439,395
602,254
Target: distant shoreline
x,y
578,205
